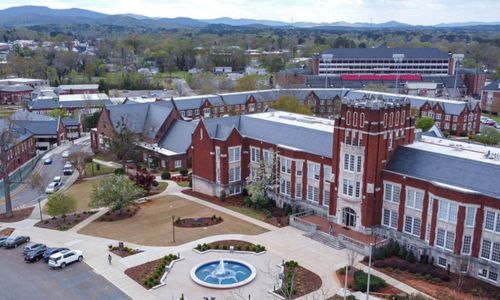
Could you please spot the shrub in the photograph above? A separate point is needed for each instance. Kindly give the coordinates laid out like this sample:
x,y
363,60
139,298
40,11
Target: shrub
x,y
361,280
238,248
155,183
410,257
402,252
119,171
183,171
224,247
165,175
341,271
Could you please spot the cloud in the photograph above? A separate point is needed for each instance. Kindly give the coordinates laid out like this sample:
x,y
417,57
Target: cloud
x,y
423,12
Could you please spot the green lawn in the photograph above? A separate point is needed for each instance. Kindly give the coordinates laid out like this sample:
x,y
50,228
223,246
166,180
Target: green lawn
x,y
183,183
162,186
252,213
93,169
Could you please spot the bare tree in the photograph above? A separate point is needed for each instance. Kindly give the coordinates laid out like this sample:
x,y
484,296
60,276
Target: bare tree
x,y
37,182
8,138
79,160
352,257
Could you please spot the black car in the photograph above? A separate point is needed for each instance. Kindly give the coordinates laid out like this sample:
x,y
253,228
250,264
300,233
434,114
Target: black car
x,y
32,247
14,241
2,240
49,251
34,255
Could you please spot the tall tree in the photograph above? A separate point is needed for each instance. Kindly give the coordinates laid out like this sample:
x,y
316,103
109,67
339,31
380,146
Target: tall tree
x,y
122,143
8,137
246,83
116,193
60,204
291,104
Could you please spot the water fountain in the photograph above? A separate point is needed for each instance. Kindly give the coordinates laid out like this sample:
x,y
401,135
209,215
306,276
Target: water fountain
x,y
223,273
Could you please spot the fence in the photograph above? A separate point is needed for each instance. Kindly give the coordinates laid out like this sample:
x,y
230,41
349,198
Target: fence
x,y
21,173
296,221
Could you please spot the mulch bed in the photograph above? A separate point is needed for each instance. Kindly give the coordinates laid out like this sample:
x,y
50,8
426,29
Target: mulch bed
x,y
141,272
116,215
125,252
198,222
385,291
305,282
470,288
6,231
19,215
278,219
58,223
226,244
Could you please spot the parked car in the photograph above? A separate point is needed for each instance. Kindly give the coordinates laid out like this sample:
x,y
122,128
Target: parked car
x,y
497,126
33,246
68,171
34,255
15,241
68,164
64,258
490,122
47,161
57,179
51,251
52,187
2,240
65,154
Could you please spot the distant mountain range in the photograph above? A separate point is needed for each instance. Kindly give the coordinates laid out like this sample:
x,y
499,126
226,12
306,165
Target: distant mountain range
x,y
41,15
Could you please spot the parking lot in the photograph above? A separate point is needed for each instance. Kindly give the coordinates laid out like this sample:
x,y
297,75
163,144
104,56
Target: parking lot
x,y
20,280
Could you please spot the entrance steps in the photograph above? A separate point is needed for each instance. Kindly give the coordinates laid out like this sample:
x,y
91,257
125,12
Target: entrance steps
x,y
327,239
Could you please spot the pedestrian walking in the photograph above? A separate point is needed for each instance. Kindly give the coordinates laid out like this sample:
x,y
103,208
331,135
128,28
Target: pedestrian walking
x,y
109,258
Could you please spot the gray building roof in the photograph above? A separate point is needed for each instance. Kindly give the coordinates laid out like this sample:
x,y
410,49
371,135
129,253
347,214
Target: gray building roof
x,y
451,170
384,52
48,104
22,134
178,137
16,88
140,118
494,86
39,127
304,139
29,116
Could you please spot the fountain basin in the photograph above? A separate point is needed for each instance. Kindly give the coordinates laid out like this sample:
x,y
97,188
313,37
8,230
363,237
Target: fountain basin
x,y
223,273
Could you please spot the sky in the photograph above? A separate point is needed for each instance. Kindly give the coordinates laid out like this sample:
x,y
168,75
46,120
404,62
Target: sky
x,y
417,12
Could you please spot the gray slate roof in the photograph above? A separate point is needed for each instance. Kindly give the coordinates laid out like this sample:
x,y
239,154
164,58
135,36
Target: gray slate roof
x,y
22,134
460,172
39,127
178,137
494,86
16,88
26,115
140,118
384,52
49,104
306,139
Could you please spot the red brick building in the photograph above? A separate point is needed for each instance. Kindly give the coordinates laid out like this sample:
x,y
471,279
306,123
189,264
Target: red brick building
x,y
15,94
67,89
490,100
22,150
366,170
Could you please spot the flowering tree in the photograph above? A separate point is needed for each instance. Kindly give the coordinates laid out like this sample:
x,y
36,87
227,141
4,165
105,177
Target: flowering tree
x,y
143,179
263,181
116,192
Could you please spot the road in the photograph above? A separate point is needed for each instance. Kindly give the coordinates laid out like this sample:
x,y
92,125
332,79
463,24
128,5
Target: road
x,y
26,196
20,280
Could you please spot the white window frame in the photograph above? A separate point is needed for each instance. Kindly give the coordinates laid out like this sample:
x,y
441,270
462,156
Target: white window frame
x,y
254,154
178,163
236,175
231,154
285,165
299,166
445,212
313,170
414,201
391,196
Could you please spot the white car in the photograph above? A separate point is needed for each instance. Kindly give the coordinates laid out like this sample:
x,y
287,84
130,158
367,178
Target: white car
x,y
57,179
64,258
65,154
497,126
52,187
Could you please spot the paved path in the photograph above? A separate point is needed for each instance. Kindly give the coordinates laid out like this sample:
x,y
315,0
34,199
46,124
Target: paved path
x,y
106,163
282,243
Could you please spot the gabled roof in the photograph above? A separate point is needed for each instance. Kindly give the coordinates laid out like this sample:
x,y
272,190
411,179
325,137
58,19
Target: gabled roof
x,y
445,169
140,118
71,122
494,86
24,115
178,136
39,127
22,134
279,128
384,52
48,104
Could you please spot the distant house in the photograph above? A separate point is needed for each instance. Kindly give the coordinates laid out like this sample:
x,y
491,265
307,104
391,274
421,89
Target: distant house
x,y
223,70
15,94
22,149
77,89
80,104
490,100
255,71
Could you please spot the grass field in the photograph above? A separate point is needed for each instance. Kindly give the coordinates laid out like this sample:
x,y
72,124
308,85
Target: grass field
x,y
496,118
7,110
81,191
252,213
91,169
152,225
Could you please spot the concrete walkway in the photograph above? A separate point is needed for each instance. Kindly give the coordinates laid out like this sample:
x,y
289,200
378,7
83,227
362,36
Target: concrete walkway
x,y
285,243
106,163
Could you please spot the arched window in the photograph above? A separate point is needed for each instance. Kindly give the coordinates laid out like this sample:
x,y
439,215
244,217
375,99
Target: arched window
x,y
396,122
403,113
391,119
355,119
385,120
348,118
362,120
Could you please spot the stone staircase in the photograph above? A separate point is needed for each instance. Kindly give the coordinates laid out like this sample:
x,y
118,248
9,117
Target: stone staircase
x,y
327,239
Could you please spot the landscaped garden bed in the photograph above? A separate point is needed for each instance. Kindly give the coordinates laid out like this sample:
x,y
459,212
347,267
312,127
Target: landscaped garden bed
x,y
198,222
297,281
19,215
275,216
64,223
6,231
226,244
357,281
434,281
149,274
123,251
118,215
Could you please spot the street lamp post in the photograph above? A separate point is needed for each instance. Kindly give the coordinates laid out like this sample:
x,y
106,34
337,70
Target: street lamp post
x,y
398,59
369,272
345,281
457,58
40,208
173,228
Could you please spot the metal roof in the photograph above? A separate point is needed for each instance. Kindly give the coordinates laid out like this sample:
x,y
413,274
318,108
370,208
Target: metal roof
x,y
39,127
178,136
494,86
